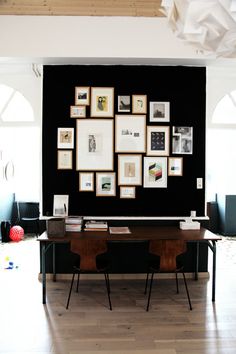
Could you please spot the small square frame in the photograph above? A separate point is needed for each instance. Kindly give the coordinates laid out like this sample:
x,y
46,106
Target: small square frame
x,y
105,184
159,112
102,102
124,104
82,96
86,182
158,140
65,138
78,111
175,166
127,192
139,104
64,160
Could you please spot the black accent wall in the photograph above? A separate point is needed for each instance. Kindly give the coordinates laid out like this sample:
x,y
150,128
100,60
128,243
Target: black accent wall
x,y
183,87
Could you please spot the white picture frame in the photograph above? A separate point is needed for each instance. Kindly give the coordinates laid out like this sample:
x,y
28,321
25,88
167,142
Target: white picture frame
x,y
159,112
105,184
65,138
129,170
94,145
158,140
155,172
102,102
130,133
60,205
127,192
86,182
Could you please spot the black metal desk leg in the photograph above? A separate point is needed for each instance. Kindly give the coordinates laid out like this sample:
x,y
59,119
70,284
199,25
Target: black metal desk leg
x,y
214,270
43,261
197,260
54,261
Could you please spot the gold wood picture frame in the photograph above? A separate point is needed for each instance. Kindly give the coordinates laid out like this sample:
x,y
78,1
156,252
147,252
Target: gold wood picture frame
x,y
82,96
139,104
102,102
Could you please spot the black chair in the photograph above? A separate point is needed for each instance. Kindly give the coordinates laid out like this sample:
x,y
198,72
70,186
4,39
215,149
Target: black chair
x,y
166,260
28,216
90,262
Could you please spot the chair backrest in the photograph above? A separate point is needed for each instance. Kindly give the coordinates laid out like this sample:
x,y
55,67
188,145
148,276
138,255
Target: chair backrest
x,y
88,250
28,210
168,250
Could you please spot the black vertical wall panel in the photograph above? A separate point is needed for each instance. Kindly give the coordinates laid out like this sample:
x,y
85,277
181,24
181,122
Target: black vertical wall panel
x,y
183,87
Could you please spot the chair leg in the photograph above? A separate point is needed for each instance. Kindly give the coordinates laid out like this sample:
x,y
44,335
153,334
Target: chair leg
x,y
150,290
177,282
77,285
186,287
71,286
146,284
108,288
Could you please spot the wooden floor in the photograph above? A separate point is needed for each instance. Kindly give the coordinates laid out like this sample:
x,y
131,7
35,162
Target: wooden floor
x,y
88,327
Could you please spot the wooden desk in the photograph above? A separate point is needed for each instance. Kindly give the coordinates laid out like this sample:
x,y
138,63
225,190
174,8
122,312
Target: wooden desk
x,y
138,233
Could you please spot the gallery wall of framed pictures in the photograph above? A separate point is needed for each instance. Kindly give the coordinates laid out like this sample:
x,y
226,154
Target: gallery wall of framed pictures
x,y
127,135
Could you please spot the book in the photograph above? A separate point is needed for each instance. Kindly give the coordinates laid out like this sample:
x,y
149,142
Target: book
x,y
96,229
74,220
96,224
119,230
73,227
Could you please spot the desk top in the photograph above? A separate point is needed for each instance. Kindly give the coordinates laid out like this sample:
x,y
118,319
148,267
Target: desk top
x,y
139,233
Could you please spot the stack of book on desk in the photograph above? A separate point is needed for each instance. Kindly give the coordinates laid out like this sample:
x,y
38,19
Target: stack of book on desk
x,y
94,225
73,223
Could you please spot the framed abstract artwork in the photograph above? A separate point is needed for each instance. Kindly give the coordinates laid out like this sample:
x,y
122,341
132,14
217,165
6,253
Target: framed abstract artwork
x,y
155,172
102,102
94,145
175,166
105,184
158,140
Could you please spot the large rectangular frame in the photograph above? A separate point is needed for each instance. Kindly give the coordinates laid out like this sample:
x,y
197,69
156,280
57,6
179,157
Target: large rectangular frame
x,y
94,145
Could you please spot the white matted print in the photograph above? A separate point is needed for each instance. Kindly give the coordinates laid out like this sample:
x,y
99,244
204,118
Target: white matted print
x,y
105,184
158,140
175,166
123,103
155,172
127,192
129,170
102,102
82,95
130,133
94,145
159,112
77,111
139,104
64,159
65,138
60,205
86,181
182,140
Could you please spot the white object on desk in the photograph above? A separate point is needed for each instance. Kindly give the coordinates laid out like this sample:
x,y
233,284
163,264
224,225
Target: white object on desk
x,y
189,225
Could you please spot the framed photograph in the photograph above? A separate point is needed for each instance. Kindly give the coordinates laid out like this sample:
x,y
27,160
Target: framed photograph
x,y
158,140
82,96
139,104
127,192
130,133
159,112
94,145
175,166
105,184
129,170
102,102
64,159
155,172
86,181
123,103
65,138
60,205
182,140
77,111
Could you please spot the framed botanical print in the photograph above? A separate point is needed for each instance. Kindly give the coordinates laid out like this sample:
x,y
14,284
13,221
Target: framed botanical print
x,y
127,192
124,104
155,172
182,140
130,133
129,170
159,112
64,159
82,96
175,166
86,181
102,102
65,138
105,184
158,141
139,104
94,145
77,111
